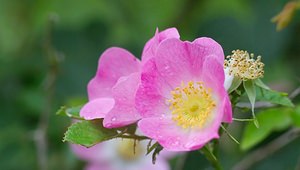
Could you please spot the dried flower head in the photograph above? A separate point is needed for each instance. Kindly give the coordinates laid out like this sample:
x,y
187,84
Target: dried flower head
x,y
243,65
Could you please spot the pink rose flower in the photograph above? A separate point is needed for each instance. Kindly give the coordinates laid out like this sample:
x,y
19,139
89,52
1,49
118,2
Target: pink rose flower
x,y
181,98
112,91
117,154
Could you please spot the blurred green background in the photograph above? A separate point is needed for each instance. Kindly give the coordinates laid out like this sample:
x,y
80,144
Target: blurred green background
x,y
49,51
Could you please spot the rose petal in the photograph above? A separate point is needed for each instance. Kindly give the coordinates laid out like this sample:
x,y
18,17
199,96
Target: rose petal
x,y
228,79
151,46
213,76
174,138
152,92
124,112
209,47
97,108
179,61
114,63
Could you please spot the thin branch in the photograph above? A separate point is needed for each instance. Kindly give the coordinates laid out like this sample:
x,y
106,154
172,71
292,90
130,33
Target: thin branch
x,y
295,93
40,135
261,153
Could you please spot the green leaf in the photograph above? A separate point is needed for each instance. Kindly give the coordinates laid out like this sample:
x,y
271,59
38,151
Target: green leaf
x,y
236,82
296,116
72,112
274,97
88,133
270,120
261,84
251,93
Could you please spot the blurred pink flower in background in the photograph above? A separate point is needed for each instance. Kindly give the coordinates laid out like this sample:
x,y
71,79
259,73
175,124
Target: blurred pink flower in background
x,y
181,98
118,154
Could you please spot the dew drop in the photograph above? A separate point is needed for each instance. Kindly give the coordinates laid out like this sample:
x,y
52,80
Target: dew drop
x,y
113,119
176,143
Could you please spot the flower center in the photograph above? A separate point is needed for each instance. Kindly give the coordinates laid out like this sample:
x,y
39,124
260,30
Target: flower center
x,y
191,105
129,151
244,66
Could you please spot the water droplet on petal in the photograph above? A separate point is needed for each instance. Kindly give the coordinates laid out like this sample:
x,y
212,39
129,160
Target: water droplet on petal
x,y
176,143
113,119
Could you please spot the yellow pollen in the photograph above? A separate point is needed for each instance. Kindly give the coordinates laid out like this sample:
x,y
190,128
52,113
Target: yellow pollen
x,y
243,65
191,105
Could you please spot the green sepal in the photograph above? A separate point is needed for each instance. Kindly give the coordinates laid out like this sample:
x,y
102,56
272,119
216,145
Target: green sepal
x,y
251,93
261,84
156,151
236,82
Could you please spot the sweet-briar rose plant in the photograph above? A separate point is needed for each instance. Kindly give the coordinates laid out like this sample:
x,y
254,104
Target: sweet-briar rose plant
x,y
180,97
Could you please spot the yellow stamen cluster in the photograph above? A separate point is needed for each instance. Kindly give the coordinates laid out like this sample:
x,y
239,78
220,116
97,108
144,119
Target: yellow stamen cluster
x,y
128,150
243,65
191,105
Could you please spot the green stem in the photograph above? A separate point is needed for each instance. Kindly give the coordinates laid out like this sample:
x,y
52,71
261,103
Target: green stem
x,y
136,137
211,158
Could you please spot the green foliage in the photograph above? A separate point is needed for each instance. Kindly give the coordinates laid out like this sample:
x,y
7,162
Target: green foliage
x,y
296,116
88,133
270,120
274,97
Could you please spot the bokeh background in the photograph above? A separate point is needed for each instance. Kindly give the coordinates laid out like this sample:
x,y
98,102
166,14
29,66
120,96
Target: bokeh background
x,y
49,51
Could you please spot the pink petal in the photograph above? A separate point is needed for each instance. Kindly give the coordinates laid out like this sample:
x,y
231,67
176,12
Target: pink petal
x,y
213,76
213,73
227,110
151,46
91,154
152,92
97,108
210,46
113,63
124,112
179,61
173,137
